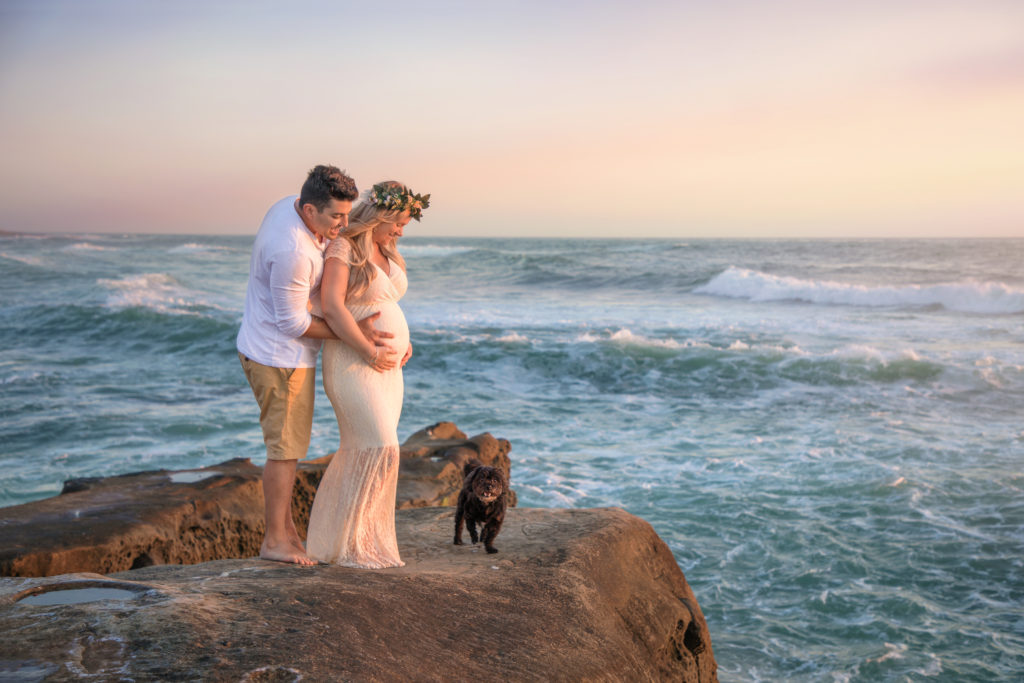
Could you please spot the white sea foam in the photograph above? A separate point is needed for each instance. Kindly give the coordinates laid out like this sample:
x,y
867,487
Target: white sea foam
x,y
870,353
85,246
995,363
512,337
27,236
431,250
20,258
893,651
26,378
966,297
156,291
189,247
932,668
858,352
627,337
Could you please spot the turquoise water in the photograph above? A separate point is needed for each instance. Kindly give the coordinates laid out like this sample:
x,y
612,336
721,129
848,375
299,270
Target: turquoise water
x,y
828,434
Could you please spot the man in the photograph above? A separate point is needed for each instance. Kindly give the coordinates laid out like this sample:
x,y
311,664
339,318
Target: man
x,y
280,339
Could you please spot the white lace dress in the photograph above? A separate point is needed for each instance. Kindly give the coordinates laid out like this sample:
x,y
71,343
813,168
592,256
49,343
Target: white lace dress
x,y
352,522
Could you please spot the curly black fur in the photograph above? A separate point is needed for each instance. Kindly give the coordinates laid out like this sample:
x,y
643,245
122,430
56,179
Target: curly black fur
x,y
483,500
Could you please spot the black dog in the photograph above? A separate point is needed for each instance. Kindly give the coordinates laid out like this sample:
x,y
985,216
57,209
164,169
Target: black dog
x,y
483,500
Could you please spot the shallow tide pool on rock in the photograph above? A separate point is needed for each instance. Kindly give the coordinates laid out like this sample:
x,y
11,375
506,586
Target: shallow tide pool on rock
x,y
190,477
77,596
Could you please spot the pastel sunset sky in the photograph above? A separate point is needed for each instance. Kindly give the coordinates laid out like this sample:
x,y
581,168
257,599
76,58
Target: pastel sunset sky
x,y
786,118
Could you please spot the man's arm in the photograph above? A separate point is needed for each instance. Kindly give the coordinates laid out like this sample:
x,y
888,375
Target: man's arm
x,y
318,329
290,278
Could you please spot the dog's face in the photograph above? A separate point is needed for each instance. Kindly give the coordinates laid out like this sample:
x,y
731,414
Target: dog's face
x,y
488,483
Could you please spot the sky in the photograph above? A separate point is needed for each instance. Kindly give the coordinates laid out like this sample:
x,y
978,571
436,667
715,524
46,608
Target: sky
x,y
759,118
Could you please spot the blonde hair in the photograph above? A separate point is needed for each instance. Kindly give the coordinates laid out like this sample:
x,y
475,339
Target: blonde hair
x,y
366,216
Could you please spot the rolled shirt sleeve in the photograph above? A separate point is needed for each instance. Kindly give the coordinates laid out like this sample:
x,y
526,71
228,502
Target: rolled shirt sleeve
x,y
285,268
291,279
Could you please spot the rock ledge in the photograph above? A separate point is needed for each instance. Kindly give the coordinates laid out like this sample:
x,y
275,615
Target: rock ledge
x,y
573,595
107,587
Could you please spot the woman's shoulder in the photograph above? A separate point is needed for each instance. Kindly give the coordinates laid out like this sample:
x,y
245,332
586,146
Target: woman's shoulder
x,y
339,248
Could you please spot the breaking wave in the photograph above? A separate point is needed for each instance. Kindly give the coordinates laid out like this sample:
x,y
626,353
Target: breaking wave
x,y
965,297
156,291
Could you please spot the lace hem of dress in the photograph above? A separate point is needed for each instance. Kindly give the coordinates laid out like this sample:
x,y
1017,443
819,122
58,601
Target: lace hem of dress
x,y
352,523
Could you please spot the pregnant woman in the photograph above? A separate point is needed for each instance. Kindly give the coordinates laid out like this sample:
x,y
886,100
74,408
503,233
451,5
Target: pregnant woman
x,y
353,518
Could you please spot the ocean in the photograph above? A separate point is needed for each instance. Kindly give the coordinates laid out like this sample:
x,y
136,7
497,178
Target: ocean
x,y
828,434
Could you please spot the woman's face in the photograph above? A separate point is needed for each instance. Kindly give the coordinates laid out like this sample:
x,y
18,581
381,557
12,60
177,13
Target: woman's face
x,y
386,232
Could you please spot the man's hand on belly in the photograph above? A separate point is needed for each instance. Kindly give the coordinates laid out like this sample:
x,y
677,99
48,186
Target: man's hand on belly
x,y
378,337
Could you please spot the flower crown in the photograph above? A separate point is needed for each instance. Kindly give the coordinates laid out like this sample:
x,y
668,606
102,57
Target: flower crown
x,y
392,198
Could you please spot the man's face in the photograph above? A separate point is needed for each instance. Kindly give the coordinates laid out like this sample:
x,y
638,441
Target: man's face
x,y
329,222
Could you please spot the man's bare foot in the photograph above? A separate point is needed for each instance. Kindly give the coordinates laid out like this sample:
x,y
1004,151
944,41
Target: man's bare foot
x,y
294,539
298,546
285,552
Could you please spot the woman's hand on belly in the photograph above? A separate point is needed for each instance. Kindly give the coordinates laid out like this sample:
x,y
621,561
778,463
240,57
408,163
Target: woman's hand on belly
x,y
407,356
396,346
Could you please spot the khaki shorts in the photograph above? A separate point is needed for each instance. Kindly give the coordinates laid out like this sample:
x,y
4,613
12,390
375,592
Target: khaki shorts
x,y
285,397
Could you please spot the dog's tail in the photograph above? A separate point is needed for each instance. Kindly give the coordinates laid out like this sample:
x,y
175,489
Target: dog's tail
x,y
470,466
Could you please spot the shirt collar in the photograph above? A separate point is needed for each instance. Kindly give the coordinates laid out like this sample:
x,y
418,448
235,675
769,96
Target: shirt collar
x,y
319,241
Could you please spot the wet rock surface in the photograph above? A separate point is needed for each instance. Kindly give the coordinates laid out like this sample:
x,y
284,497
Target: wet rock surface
x,y
572,595
112,524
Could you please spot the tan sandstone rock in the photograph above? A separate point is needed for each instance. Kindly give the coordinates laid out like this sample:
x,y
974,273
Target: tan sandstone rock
x,y
573,595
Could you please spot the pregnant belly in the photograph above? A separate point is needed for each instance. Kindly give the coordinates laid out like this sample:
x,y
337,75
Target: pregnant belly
x,y
391,320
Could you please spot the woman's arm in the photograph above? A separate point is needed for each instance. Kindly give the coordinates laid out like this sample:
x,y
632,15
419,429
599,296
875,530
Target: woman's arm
x,y
333,289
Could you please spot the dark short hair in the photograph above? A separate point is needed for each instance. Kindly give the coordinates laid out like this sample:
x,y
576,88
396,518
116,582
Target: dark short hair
x,y
325,183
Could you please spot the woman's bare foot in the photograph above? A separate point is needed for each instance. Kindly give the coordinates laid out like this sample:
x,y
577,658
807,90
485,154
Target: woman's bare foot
x,y
285,552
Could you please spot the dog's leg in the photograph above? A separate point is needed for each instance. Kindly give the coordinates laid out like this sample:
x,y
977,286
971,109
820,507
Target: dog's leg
x,y
489,533
471,525
459,515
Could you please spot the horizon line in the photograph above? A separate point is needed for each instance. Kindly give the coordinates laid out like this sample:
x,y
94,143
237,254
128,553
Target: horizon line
x,y
17,233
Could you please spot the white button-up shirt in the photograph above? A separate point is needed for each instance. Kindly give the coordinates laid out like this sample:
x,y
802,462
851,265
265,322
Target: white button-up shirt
x,y
284,275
